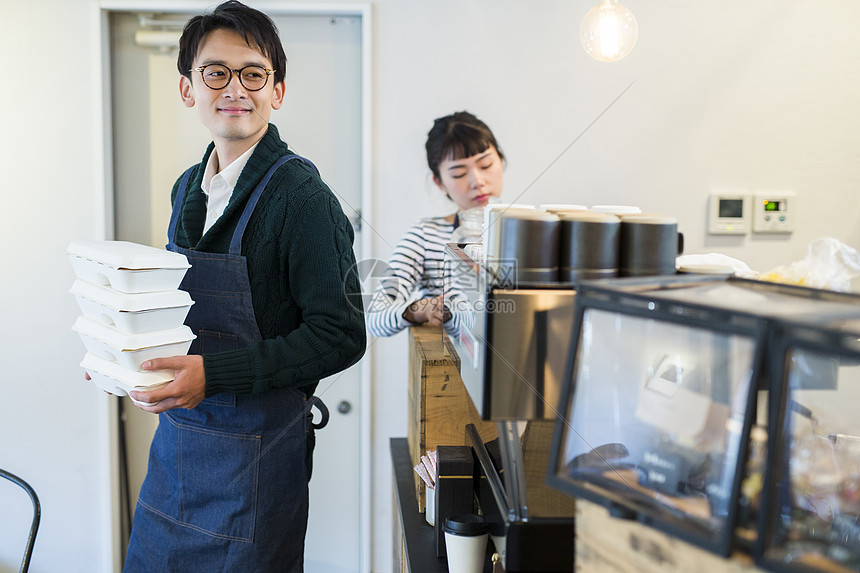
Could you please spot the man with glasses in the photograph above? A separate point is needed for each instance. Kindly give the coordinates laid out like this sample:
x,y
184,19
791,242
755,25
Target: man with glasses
x,y
271,254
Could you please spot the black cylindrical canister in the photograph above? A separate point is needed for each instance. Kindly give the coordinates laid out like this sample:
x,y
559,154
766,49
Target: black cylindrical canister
x,y
528,246
649,245
589,246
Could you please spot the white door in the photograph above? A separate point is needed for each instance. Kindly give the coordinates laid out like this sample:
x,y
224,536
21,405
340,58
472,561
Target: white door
x,y
156,138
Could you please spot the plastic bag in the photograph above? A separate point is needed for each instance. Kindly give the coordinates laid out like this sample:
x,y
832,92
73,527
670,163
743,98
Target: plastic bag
x,y
829,264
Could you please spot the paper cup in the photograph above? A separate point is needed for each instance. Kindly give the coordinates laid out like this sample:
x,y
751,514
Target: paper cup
x,y
466,543
430,505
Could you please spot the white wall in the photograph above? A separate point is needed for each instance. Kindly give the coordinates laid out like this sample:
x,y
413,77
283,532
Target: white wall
x,y
52,423
755,95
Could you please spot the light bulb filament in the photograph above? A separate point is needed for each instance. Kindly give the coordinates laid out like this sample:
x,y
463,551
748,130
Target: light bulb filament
x,y
608,33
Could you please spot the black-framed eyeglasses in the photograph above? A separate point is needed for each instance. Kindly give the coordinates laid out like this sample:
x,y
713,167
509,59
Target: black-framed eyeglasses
x,y
217,77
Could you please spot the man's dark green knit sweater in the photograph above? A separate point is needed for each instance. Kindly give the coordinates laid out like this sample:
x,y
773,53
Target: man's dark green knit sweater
x,y
298,246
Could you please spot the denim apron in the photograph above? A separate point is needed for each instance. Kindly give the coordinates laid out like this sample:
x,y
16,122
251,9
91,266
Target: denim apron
x,y
226,488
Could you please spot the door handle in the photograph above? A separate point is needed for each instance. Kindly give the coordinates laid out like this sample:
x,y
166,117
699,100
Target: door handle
x,y
344,407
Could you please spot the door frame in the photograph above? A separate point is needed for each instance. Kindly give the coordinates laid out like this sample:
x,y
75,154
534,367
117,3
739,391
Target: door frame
x,y
104,206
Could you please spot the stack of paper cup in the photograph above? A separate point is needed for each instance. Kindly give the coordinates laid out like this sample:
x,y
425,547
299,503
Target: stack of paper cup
x,y
132,311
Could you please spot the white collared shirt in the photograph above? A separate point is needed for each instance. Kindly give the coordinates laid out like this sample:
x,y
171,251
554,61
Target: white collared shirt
x,y
218,187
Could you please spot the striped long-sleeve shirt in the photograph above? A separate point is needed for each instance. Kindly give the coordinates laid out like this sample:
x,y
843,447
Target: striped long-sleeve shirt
x,y
416,270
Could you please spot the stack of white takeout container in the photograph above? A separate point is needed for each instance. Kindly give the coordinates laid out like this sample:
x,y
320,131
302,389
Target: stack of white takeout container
x,y
132,311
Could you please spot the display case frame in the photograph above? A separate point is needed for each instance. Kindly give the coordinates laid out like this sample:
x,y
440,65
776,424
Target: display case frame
x,y
825,340
633,298
760,317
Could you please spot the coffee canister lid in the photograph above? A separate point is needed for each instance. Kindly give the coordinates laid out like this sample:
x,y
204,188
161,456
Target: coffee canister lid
x,y
649,219
561,207
528,215
505,206
616,209
466,524
588,216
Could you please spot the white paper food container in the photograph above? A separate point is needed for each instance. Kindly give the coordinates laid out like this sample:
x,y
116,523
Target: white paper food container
x,y
131,350
127,267
132,313
113,378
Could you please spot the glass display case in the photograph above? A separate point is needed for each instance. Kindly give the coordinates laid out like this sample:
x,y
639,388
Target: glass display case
x,y
660,395
811,520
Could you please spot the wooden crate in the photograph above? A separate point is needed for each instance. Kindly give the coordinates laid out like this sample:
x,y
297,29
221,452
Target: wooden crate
x,y
605,544
439,406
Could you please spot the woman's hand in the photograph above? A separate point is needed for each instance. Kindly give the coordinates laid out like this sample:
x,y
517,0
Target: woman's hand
x,y
187,389
426,310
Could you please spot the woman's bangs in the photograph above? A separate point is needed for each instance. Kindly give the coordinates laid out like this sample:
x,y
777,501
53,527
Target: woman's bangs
x,y
465,144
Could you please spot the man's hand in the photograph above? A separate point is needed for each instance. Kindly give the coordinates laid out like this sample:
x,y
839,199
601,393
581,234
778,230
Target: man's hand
x,y
187,389
427,310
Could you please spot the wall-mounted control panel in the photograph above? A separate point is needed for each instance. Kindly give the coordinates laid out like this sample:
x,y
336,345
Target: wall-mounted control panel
x,y
729,214
774,212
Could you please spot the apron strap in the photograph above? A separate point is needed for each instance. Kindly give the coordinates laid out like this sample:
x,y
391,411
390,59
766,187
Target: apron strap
x,y
177,207
236,242
316,402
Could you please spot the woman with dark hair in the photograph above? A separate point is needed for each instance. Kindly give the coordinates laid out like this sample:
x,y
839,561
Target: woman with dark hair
x,y
467,165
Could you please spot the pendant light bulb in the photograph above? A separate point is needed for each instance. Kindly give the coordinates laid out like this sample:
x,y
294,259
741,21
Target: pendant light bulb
x,y
608,31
